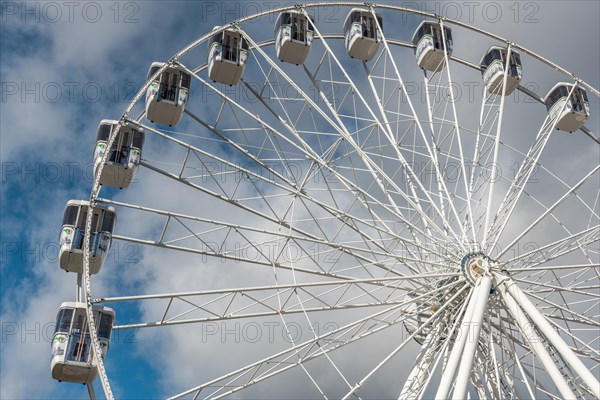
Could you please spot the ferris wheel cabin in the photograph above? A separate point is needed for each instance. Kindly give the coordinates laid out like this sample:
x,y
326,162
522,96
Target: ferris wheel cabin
x,y
125,153
361,35
227,55
293,37
493,65
73,358
429,45
72,234
571,111
167,95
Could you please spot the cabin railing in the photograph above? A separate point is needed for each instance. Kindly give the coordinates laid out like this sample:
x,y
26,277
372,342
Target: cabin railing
x,y
167,92
229,53
119,156
79,347
94,241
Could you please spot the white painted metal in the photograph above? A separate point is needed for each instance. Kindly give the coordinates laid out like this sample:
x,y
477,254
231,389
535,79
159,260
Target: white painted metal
x,y
452,364
482,292
405,164
91,392
337,338
494,177
415,205
533,340
547,330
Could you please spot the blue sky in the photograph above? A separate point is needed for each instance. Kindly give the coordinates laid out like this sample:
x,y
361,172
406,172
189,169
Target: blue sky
x,y
63,68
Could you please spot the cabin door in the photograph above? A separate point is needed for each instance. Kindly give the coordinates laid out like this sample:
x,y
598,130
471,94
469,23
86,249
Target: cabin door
x,y
79,340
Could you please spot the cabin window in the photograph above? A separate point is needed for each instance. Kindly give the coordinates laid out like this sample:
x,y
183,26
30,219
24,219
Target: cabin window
x,y
438,43
515,58
556,95
369,27
583,94
425,29
355,17
152,71
168,86
63,321
298,28
108,222
487,60
119,146
138,139
105,326
95,218
114,147
284,19
233,45
215,39
515,63
70,217
164,77
79,351
103,132
173,84
491,56
579,97
185,80
245,45
448,33
82,218
230,46
79,322
125,137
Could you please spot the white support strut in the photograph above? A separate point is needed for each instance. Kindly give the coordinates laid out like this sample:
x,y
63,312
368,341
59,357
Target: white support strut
x,y
481,295
457,350
533,340
553,337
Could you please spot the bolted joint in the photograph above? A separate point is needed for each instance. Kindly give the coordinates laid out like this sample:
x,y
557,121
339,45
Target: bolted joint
x,y
474,266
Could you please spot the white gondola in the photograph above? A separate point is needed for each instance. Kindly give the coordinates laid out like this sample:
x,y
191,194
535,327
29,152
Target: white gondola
x,y
72,233
167,95
293,37
575,109
493,64
361,35
227,56
429,45
73,359
125,153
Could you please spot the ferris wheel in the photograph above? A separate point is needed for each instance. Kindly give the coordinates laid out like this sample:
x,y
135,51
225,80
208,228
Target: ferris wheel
x,y
430,220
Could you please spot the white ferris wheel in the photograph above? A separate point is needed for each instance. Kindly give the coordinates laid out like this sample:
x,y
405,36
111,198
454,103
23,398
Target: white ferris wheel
x,y
431,220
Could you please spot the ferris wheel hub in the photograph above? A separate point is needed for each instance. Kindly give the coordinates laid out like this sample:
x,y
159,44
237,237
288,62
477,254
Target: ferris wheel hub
x,y
474,265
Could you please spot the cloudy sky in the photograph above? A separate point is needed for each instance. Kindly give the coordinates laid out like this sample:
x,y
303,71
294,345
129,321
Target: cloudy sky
x,y
67,65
